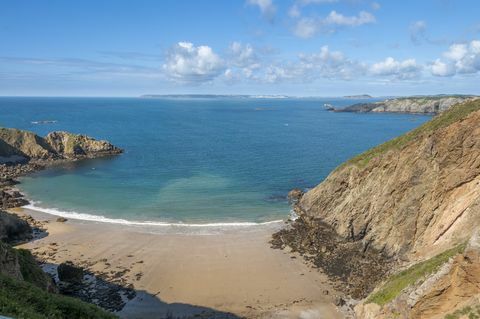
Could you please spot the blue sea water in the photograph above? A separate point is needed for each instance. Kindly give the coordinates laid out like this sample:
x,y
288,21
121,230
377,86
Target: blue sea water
x,y
198,161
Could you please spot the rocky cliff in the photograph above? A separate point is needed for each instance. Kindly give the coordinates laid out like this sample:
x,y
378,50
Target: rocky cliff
x,y
397,204
423,104
22,152
21,146
417,191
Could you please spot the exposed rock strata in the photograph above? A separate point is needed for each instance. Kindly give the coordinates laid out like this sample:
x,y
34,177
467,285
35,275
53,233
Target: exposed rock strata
x,y
425,104
399,203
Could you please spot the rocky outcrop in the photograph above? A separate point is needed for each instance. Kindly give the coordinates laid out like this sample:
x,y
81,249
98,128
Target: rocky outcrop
x,y
423,104
453,287
417,191
20,146
22,152
73,146
14,229
403,201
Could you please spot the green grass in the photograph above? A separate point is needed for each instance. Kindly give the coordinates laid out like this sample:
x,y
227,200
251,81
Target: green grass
x,y
396,283
454,114
20,299
30,270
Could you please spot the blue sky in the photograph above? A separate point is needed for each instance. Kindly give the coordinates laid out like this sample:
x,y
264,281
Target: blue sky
x,y
291,47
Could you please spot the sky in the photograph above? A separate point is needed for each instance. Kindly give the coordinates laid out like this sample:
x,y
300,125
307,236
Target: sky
x,y
259,47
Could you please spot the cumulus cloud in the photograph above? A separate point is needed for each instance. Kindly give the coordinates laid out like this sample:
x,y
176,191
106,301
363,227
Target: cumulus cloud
x,y
463,58
439,68
188,63
308,27
330,64
267,8
402,70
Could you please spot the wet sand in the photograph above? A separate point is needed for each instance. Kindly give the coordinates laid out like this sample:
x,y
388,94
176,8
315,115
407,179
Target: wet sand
x,y
231,273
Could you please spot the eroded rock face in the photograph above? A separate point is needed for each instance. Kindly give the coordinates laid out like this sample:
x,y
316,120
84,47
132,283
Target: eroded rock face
x,y
406,200
77,146
17,146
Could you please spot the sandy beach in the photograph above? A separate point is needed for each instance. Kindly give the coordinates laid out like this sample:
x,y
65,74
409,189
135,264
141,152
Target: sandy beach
x,y
230,273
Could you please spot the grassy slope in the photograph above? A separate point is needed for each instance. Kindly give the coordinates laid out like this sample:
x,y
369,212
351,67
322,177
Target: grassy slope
x,y
396,283
456,113
21,299
29,298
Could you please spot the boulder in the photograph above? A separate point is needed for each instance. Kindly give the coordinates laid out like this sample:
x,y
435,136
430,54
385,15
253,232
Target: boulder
x,y
68,272
14,229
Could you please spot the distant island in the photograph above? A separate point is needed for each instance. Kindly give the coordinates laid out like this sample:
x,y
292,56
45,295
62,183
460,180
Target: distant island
x,y
432,104
360,96
211,96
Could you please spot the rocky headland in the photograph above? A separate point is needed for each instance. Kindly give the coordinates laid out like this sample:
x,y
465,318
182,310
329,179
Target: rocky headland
x,y
390,225
22,152
28,291
415,104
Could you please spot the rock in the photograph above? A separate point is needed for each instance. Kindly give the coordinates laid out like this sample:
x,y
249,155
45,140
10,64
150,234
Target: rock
x,y
68,272
79,146
61,220
421,104
14,229
295,195
411,197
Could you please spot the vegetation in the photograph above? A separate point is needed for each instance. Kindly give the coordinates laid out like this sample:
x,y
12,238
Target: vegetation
x,y
20,299
466,312
455,113
30,270
396,283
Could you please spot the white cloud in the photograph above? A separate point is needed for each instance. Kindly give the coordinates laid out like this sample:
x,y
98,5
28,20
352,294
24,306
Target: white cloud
x,y
456,52
363,17
463,58
308,27
267,8
188,63
407,69
439,68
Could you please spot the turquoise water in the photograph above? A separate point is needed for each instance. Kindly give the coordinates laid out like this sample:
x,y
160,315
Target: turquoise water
x,y
196,160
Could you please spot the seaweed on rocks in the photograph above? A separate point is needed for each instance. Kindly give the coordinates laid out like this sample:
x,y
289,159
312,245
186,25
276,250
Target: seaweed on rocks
x,y
352,264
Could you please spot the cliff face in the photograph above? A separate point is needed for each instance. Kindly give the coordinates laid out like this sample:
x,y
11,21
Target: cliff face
x,y
21,146
410,195
428,104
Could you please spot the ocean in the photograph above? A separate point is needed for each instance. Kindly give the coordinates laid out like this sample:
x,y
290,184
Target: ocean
x,y
195,161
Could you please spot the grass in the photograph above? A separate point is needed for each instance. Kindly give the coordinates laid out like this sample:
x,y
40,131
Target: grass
x,y
454,114
469,311
30,270
20,299
396,283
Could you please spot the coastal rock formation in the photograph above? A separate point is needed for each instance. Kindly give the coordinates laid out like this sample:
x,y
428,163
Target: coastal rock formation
x,y
73,146
17,146
419,190
400,202
423,104
22,152
14,229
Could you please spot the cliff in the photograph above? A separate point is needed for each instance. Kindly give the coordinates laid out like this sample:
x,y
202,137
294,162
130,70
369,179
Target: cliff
x,y
21,146
401,203
423,104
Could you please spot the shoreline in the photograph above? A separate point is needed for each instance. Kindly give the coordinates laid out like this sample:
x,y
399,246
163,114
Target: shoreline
x,y
229,274
121,221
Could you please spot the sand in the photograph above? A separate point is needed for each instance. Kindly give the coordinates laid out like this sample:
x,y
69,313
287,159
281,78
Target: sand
x,y
230,273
